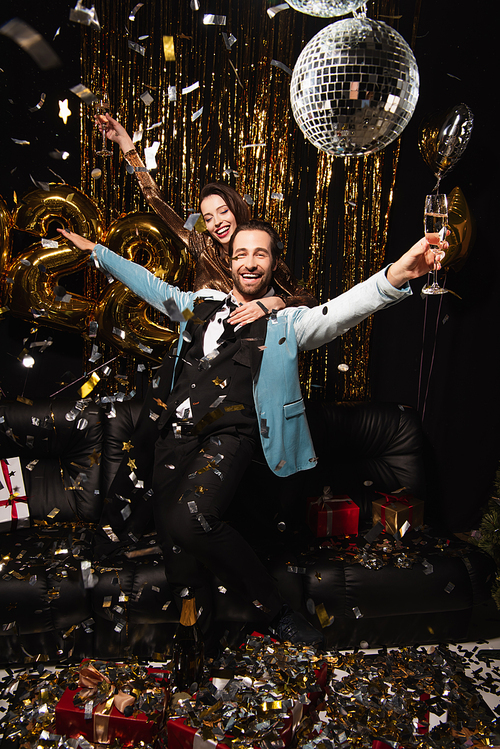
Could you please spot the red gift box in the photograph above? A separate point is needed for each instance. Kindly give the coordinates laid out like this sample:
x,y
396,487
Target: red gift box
x,y
104,723
181,736
332,515
14,510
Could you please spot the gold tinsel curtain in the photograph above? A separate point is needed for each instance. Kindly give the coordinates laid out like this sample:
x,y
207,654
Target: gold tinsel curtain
x,y
332,213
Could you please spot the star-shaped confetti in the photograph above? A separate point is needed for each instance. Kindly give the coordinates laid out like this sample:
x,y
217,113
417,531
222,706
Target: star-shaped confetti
x,y
160,402
64,110
127,446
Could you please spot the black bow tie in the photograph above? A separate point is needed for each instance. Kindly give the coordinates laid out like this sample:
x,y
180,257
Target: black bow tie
x,y
228,334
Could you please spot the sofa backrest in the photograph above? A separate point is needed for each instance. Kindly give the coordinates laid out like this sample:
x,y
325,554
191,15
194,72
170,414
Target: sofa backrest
x,y
59,443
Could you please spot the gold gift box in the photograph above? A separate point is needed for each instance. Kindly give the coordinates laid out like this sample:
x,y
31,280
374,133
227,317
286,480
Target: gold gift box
x,y
393,512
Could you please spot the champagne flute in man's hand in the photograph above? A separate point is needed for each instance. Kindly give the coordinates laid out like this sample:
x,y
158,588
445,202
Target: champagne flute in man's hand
x,y
435,222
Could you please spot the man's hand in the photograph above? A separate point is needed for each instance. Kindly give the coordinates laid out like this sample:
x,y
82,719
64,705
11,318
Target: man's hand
x,y
77,240
416,262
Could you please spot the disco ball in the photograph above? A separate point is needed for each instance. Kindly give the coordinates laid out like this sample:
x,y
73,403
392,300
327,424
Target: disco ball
x,y
354,87
326,8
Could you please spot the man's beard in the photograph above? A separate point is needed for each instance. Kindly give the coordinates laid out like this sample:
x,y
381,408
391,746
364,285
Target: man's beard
x,y
257,290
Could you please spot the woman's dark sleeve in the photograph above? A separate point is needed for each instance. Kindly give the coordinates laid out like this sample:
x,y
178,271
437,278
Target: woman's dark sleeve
x,y
289,289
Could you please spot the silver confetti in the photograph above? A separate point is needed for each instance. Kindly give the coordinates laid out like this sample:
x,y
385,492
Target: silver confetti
x,y
212,20
192,87
134,10
31,42
146,98
83,15
282,66
137,47
228,40
196,114
190,224
271,12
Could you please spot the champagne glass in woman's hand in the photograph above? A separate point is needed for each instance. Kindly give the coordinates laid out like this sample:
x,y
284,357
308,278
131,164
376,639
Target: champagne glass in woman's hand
x,y
102,107
435,221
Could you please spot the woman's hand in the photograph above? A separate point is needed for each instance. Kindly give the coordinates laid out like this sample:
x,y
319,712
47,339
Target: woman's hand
x,y
77,240
251,311
114,132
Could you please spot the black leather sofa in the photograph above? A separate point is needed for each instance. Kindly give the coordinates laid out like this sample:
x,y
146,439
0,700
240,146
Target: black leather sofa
x,y
57,603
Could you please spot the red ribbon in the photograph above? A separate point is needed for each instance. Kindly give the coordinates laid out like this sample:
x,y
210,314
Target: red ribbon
x,y
389,500
12,499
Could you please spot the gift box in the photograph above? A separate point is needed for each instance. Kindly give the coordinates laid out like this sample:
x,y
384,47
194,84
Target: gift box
x,y
332,515
183,736
14,510
394,510
131,710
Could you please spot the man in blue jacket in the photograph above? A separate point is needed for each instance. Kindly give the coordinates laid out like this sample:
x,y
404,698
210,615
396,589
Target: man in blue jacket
x,y
231,385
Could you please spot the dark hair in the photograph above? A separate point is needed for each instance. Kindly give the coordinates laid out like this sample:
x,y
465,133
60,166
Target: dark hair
x,y
258,225
232,199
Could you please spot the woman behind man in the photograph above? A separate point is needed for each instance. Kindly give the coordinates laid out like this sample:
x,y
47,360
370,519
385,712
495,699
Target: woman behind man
x,y
222,209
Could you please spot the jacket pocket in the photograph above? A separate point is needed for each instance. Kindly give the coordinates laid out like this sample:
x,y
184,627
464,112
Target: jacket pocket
x,y
293,409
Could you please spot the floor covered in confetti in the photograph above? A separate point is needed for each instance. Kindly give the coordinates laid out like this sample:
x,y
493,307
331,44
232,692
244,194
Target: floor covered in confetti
x,y
272,696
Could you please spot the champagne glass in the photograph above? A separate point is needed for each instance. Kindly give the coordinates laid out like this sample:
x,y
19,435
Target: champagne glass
x,y
102,107
435,221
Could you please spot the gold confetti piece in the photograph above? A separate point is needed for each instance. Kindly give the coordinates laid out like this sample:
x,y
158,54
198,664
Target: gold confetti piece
x,y
220,383
95,458
88,386
53,513
131,464
160,402
168,48
127,446
238,407
324,619
27,401
86,95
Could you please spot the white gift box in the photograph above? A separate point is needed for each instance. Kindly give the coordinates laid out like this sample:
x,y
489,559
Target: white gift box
x,y
14,510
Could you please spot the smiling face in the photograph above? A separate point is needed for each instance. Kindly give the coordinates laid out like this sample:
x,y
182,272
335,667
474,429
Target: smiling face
x,y
252,265
219,219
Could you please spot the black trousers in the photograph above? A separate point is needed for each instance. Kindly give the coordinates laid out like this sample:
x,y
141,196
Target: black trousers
x,y
194,481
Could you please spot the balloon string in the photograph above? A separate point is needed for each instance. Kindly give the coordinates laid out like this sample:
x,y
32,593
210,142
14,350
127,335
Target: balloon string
x,y
433,355
84,376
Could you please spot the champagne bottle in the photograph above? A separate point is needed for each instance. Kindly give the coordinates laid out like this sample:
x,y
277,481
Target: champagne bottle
x,y
187,648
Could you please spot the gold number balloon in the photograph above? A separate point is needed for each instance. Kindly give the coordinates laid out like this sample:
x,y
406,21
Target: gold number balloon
x,y
126,321
34,292
462,231
5,226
